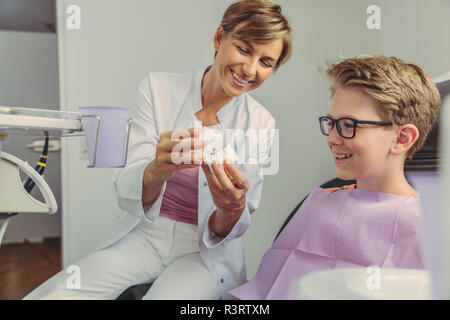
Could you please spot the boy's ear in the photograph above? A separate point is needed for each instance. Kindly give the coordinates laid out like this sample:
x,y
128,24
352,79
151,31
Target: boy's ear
x,y
407,135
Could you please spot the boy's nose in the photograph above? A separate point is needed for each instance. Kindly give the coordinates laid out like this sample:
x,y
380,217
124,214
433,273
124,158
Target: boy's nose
x,y
334,138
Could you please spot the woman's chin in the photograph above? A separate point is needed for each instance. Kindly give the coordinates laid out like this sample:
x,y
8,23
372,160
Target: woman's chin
x,y
235,91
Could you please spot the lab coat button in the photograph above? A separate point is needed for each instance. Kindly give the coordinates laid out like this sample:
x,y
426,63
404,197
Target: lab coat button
x,y
221,280
205,183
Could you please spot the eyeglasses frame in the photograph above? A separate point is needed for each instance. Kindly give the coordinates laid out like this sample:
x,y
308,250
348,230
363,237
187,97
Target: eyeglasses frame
x,y
355,124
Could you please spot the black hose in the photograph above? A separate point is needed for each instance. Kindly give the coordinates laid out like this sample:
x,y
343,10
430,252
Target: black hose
x,y
29,183
40,166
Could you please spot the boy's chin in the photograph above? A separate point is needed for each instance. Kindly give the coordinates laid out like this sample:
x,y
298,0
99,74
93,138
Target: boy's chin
x,y
341,174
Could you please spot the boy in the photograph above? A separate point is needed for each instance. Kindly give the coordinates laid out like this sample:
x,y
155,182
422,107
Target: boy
x,y
382,110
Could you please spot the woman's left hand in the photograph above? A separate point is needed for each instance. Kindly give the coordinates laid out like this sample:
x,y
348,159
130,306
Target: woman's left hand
x,y
228,187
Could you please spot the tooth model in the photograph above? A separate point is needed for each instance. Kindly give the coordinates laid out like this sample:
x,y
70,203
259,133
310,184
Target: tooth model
x,y
214,152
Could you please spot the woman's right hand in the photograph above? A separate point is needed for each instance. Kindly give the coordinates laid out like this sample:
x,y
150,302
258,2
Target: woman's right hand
x,y
178,149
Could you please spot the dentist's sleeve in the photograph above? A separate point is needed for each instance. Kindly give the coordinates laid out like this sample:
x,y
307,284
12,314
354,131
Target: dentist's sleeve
x,y
254,174
143,139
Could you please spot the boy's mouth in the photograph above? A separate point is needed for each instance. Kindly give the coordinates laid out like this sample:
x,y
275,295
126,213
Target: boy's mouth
x,y
341,156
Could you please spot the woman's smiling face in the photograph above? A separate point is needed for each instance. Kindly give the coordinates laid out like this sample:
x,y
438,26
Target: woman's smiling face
x,y
242,66
366,156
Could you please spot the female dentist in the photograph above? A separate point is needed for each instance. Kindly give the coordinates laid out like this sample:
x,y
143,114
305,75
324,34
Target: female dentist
x,y
180,226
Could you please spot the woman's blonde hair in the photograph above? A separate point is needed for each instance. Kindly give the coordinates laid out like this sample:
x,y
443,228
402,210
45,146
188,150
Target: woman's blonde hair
x,y
259,21
405,92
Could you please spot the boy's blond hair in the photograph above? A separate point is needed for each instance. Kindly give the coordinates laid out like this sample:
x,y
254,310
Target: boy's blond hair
x,y
405,93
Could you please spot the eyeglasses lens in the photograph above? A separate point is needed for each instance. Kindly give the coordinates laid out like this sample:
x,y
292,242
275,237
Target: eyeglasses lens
x,y
346,128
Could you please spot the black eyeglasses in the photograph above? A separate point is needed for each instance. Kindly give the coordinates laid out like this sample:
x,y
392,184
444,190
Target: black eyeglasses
x,y
346,127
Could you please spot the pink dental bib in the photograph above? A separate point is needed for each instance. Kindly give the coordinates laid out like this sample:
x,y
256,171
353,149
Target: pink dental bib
x,y
346,228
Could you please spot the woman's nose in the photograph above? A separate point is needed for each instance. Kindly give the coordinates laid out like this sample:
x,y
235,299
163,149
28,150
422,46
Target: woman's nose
x,y
250,68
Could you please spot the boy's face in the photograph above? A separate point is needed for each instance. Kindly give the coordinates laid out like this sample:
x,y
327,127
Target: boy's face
x,y
364,157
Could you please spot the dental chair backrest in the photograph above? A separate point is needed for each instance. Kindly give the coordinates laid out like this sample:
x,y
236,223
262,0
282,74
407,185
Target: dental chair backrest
x,y
425,172
427,158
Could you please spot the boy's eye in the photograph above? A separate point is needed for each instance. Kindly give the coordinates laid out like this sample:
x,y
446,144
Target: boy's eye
x,y
348,125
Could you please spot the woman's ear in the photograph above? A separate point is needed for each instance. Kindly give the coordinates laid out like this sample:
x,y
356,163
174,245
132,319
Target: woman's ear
x,y
407,135
218,38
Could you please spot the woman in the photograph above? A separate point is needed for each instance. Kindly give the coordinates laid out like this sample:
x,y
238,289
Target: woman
x,y
180,226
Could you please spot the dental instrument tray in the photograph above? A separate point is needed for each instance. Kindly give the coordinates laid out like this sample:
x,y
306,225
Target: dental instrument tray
x,y
15,195
32,121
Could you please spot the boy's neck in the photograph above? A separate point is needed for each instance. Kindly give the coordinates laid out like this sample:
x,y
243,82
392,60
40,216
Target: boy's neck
x,y
390,182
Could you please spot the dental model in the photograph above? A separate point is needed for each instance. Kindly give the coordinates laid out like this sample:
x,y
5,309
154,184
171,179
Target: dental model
x,y
225,155
214,152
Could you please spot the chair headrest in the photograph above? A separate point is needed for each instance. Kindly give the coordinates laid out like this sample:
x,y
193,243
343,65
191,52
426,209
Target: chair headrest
x,y
426,159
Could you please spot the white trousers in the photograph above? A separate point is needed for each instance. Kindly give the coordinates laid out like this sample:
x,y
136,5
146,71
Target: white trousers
x,y
165,252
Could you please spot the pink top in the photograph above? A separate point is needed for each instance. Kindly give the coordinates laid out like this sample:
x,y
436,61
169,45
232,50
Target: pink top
x,y
180,198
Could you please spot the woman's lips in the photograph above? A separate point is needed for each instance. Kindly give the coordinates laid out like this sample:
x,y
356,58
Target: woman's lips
x,y
239,80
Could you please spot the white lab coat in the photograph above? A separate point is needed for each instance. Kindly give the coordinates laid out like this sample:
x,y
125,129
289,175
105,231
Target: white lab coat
x,y
168,101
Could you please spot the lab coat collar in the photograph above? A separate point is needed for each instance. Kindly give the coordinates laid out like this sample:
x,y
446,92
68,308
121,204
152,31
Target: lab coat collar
x,y
225,114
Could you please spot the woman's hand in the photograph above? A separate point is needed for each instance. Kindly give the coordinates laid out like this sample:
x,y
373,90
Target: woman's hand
x,y
228,188
176,150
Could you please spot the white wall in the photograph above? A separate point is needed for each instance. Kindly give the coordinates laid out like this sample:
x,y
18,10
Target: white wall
x,y
120,42
418,32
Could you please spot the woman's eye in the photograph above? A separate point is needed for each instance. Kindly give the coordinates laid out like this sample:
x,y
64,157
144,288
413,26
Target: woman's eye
x,y
266,64
242,50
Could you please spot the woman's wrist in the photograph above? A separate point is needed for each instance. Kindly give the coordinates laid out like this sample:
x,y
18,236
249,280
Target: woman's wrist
x,y
222,222
152,184
152,175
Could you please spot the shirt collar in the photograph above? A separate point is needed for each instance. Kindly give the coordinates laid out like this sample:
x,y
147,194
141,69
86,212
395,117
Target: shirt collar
x,y
196,92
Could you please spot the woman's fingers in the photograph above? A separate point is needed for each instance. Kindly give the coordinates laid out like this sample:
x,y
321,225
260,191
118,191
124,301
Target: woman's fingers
x,y
239,179
184,133
186,145
210,177
225,183
168,139
186,151
178,149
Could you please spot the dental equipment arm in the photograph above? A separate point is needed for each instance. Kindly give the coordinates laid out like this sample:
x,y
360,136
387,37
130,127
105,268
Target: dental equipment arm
x,y
10,166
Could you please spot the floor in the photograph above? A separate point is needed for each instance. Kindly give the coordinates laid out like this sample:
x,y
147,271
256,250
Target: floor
x,y
24,266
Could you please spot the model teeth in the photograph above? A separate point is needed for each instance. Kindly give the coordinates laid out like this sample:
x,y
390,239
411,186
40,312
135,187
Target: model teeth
x,y
239,79
343,156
